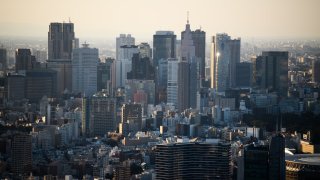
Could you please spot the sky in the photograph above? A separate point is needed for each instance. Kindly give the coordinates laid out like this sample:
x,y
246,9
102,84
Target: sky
x,y
106,19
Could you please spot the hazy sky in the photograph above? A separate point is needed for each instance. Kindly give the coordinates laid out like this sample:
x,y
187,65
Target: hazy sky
x,y
108,18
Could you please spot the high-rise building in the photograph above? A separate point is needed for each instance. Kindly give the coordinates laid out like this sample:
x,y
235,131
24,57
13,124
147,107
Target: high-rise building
x,y
172,81
132,114
63,67
316,71
3,59
256,71
104,74
201,160
124,63
99,114
133,86
16,86
225,56
60,40
164,46
199,42
243,75
141,68
145,51
256,162
123,40
275,72
24,60
84,70
277,166
21,154
39,83
188,83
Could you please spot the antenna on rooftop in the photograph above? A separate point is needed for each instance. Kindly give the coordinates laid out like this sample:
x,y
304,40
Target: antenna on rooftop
x,y
69,20
187,17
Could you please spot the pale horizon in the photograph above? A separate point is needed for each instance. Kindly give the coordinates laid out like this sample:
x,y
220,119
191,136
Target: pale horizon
x,y
293,19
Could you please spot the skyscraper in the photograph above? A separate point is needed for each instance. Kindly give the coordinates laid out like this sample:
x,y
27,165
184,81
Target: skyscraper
x,y
164,46
123,40
132,114
84,70
188,84
104,74
24,60
277,166
145,51
141,68
3,59
124,63
200,160
21,154
316,71
275,72
99,114
243,75
199,42
256,162
225,56
60,40
172,82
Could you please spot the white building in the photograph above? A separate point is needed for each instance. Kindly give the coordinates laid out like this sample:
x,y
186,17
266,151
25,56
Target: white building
x,y
172,81
123,40
84,70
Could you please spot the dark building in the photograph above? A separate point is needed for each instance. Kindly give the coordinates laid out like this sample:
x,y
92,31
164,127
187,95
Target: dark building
x,y
164,46
243,75
183,85
303,167
132,114
277,166
256,162
21,154
104,73
199,42
60,40
256,71
24,60
39,83
193,161
98,114
3,59
316,71
15,86
141,68
275,72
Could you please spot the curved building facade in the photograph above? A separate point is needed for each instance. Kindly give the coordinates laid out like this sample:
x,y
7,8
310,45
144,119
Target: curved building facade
x,y
303,166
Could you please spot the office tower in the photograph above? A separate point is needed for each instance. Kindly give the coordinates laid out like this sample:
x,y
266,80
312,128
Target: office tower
x,y
187,73
172,81
124,63
21,154
16,87
213,63
84,70
243,75
201,160
99,114
275,72
145,51
123,40
24,60
183,85
39,83
60,40
104,74
63,67
277,166
256,162
256,71
164,46
141,68
316,71
225,57
132,114
199,42
3,59
161,81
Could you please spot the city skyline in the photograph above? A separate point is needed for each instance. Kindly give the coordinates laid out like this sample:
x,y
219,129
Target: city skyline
x,y
289,19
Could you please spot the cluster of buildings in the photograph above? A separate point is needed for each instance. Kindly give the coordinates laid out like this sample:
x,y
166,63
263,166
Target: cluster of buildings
x,y
166,111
